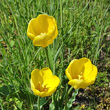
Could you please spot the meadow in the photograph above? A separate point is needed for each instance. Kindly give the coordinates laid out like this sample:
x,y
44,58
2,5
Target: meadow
x,y
83,31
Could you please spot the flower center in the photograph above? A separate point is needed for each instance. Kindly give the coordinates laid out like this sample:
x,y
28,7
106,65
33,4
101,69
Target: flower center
x,y
80,76
41,87
42,33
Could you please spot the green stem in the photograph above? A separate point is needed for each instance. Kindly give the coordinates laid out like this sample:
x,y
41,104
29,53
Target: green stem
x,y
48,60
38,102
52,98
67,97
69,91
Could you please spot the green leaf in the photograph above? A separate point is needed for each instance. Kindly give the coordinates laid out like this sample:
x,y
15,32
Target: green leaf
x,y
42,102
72,99
51,106
57,53
12,43
50,58
35,106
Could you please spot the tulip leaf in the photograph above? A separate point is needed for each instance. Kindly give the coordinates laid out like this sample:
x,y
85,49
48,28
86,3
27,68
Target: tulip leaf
x,y
72,99
50,58
51,106
35,107
57,53
43,101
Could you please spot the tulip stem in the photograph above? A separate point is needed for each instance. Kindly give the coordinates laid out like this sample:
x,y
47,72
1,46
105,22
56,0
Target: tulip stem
x,y
49,58
67,97
53,99
38,103
76,92
50,64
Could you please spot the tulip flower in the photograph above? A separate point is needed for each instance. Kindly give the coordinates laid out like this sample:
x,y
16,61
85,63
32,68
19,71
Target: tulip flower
x,y
42,30
43,82
81,73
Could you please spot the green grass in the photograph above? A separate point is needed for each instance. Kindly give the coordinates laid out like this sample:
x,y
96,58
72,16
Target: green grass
x,y
84,31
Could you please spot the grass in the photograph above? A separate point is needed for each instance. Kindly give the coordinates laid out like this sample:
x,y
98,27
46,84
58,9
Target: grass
x,y
84,31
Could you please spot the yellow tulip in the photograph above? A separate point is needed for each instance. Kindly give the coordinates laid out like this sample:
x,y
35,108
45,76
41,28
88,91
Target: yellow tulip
x,y
81,73
42,30
43,82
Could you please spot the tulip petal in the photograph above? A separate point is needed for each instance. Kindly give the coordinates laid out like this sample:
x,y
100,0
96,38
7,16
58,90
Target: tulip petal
x,y
80,65
94,72
51,90
68,74
36,77
46,73
76,83
88,68
92,76
71,72
56,30
39,40
33,28
37,92
52,81
44,39
30,35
